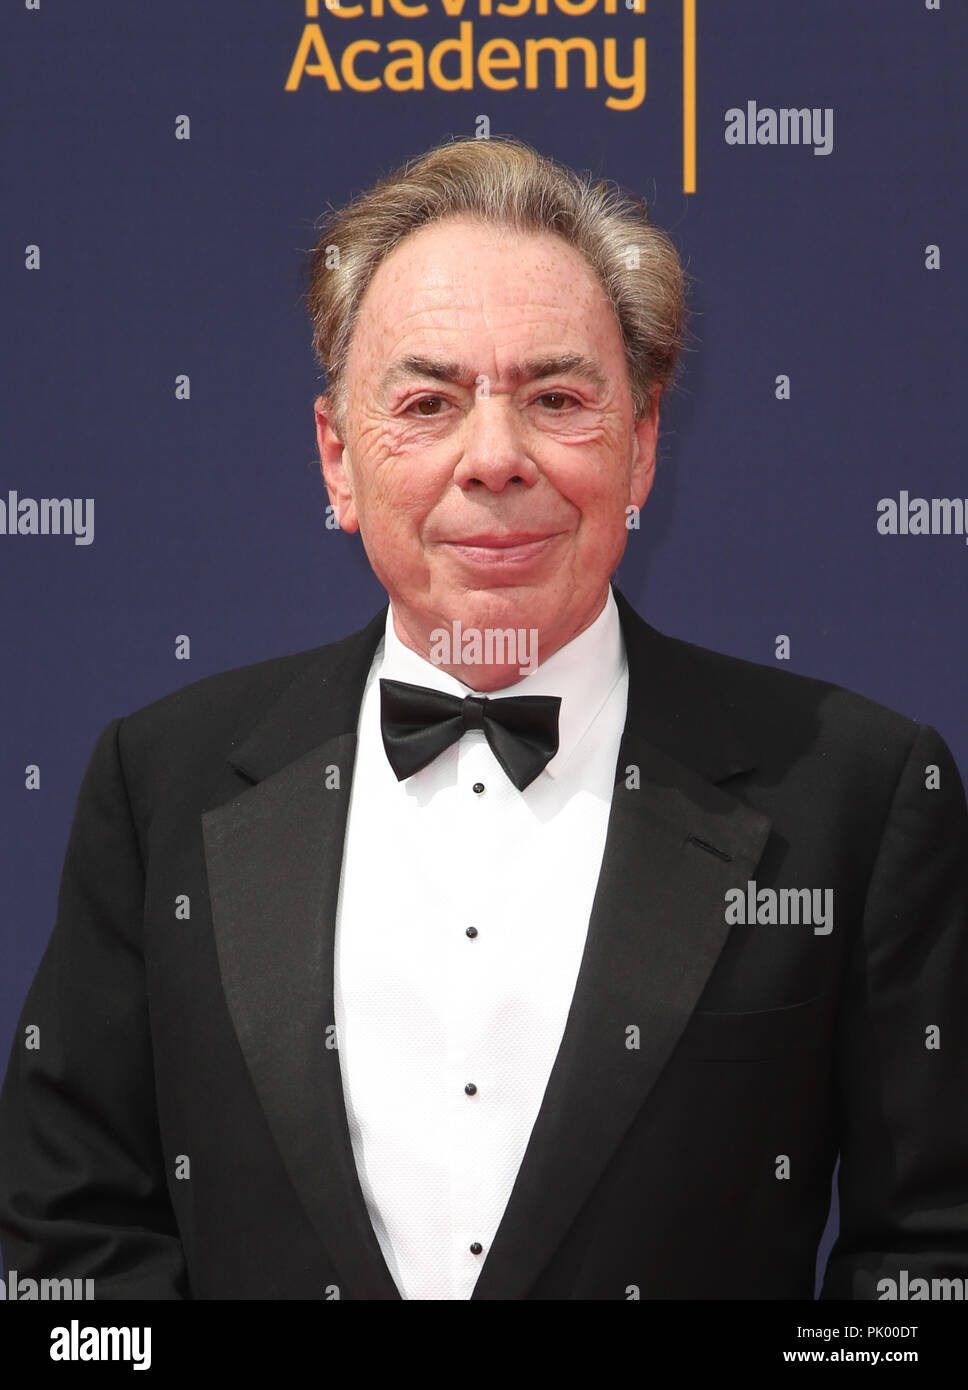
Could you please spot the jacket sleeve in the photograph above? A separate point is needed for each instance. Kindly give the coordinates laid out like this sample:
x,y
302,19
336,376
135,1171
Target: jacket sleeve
x,y
82,1175
902,1052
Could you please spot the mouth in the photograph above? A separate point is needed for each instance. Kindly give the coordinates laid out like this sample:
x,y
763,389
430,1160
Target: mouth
x,y
504,549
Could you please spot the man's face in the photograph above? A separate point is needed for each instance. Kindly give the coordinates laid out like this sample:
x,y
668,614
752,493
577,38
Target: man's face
x,y
490,449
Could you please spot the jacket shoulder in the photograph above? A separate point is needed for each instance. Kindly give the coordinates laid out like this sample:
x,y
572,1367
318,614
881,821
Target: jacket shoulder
x,y
785,715
747,684
213,714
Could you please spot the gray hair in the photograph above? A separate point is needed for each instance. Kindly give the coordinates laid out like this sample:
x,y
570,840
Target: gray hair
x,y
505,182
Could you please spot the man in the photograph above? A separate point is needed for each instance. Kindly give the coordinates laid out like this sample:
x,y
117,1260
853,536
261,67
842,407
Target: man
x,y
366,984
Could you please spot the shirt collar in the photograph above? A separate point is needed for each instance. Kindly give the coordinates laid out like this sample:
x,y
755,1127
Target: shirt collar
x,y
584,672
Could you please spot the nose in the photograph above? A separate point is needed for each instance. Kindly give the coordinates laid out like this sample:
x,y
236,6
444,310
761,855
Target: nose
x,y
494,452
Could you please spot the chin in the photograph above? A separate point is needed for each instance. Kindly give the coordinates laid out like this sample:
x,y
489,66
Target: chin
x,y
504,606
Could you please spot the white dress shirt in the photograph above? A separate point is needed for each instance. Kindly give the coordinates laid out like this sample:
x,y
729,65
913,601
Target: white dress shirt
x,y
424,1009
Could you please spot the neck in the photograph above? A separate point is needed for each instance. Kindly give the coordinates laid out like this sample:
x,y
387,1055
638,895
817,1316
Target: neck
x,y
490,658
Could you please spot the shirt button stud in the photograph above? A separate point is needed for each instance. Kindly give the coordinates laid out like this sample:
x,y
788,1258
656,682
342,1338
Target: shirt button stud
x,y
471,932
470,1089
476,1247
478,787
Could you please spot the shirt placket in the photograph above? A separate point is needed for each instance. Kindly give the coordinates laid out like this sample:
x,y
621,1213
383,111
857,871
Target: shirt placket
x,y
468,1006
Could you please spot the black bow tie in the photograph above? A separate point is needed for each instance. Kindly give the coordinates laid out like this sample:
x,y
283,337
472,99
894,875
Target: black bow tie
x,y
418,723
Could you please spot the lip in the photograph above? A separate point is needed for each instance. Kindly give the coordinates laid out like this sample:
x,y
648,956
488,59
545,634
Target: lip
x,y
505,540
510,548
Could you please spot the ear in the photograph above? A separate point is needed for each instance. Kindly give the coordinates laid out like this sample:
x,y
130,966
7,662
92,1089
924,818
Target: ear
x,y
336,470
642,471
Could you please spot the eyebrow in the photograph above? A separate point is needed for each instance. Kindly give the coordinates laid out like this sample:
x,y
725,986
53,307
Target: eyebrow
x,y
536,368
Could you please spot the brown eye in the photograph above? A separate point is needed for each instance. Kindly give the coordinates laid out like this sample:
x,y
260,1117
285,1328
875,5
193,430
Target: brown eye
x,y
558,396
428,401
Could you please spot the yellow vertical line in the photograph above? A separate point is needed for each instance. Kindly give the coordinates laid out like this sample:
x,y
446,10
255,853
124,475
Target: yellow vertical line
x,y
689,96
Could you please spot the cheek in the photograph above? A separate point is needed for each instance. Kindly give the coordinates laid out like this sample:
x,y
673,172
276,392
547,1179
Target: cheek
x,y
399,498
394,507
598,491
415,483
602,533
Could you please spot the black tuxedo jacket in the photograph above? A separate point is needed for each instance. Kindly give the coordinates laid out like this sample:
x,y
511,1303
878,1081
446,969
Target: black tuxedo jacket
x,y
172,1122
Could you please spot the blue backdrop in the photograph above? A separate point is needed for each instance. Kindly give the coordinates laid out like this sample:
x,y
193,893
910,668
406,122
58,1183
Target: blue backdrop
x,y
164,165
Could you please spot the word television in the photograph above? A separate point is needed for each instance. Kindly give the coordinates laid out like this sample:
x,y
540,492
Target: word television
x,y
472,57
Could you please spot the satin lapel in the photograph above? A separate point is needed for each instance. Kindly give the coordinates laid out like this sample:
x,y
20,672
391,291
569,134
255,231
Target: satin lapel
x,y
274,855
676,842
